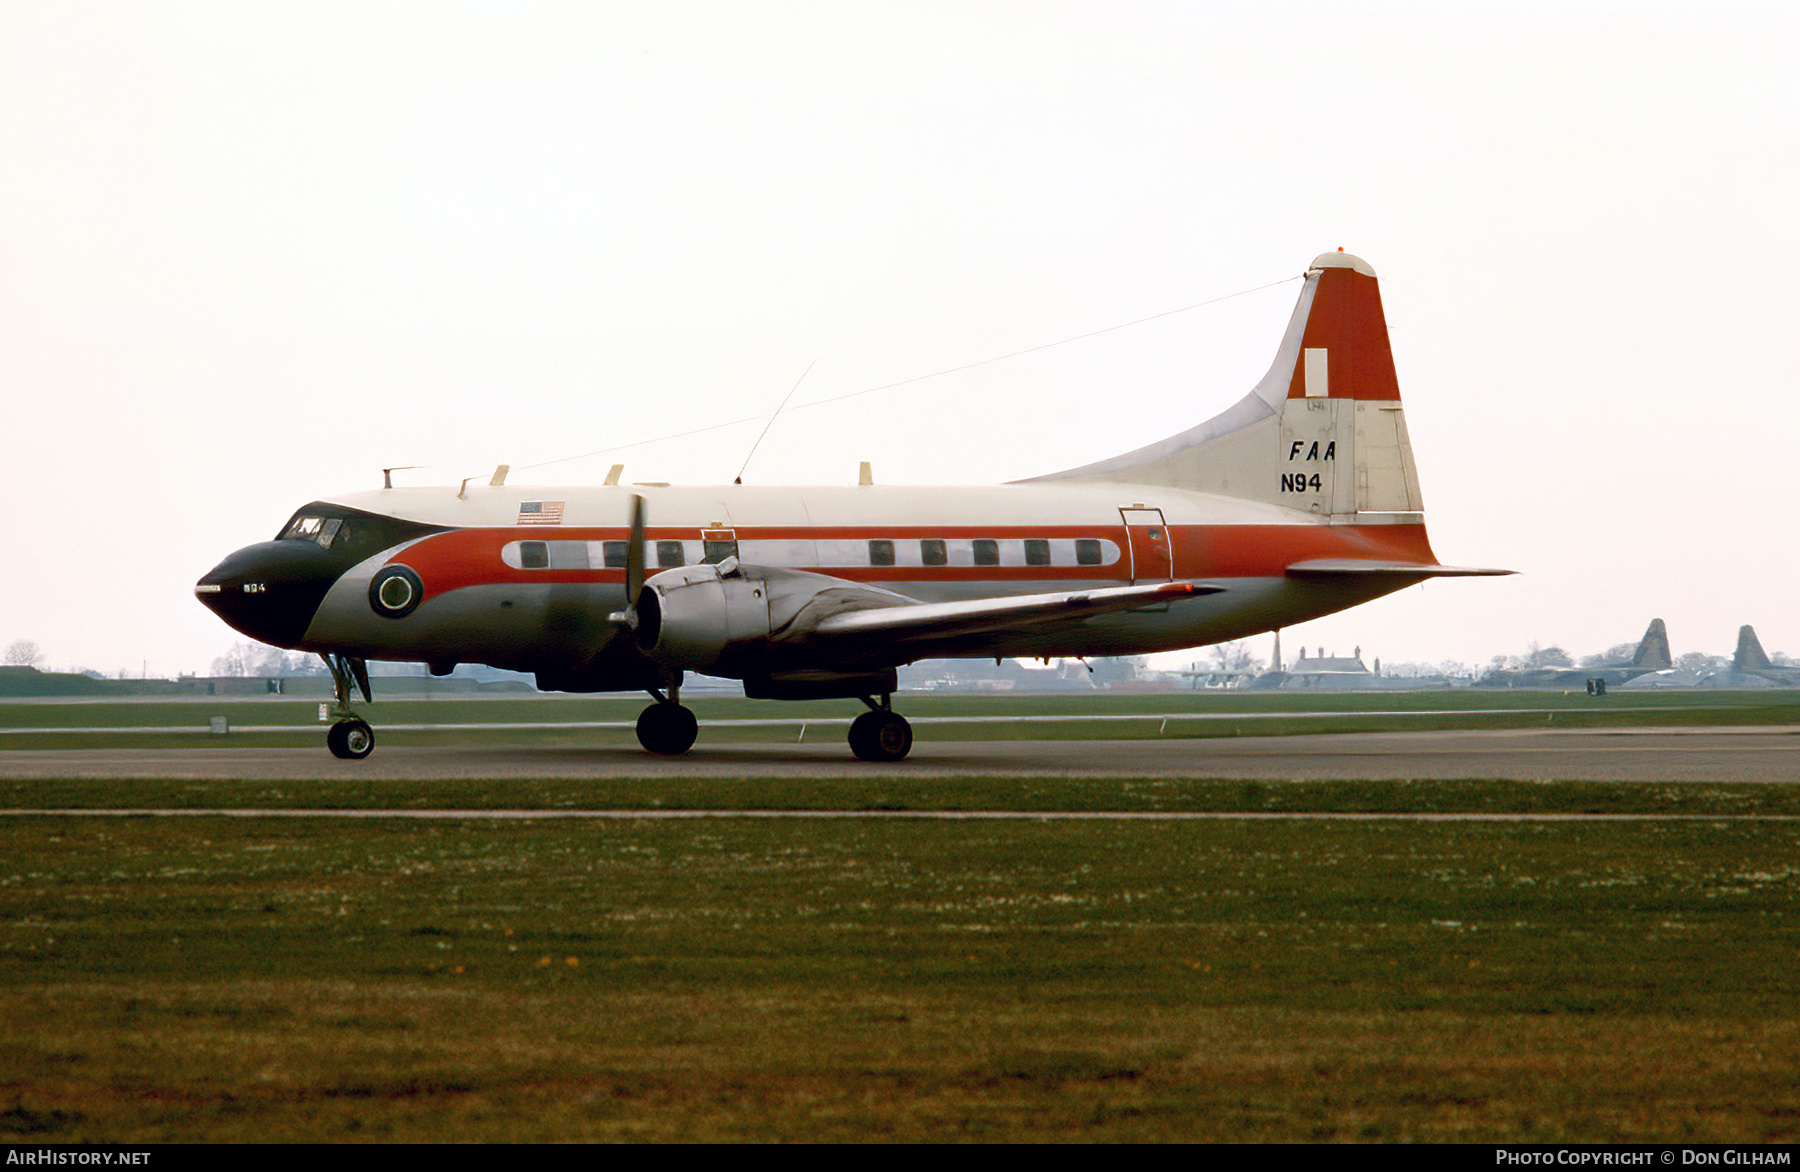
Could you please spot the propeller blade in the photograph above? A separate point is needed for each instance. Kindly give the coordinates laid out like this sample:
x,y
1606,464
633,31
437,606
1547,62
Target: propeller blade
x,y
634,554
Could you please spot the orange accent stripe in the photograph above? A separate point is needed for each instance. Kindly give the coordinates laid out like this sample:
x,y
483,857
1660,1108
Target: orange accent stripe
x,y
471,557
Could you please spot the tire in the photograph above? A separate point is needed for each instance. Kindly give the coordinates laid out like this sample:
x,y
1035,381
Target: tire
x,y
668,730
351,739
881,736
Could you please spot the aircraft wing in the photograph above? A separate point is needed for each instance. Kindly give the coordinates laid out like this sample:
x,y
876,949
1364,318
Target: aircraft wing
x,y
1364,568
931,621
690,615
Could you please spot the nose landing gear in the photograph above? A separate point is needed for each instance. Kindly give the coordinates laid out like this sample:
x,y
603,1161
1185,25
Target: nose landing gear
x,y
350,736
351,739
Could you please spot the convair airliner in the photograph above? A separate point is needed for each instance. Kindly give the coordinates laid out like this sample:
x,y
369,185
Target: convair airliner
x,y
1300,500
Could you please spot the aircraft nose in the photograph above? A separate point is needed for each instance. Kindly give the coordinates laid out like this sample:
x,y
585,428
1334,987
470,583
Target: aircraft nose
x,y
269,591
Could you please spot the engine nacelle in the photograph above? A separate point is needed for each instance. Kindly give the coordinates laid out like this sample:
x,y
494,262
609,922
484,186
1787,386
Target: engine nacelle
x,y
709,619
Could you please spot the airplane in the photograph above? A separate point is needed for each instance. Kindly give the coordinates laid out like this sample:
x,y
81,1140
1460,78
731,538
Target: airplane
x,y
1299,501
1652,656
1752,661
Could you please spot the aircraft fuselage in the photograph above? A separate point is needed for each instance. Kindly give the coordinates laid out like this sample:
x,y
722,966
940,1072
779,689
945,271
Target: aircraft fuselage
x,y
525,578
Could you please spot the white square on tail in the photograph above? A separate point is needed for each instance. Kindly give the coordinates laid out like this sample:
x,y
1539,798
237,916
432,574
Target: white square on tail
x,y
1318,373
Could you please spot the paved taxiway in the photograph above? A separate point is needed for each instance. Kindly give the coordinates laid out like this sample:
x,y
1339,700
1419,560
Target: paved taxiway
x,y
1651,755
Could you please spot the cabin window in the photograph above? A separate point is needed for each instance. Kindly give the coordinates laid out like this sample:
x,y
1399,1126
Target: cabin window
x,y
1087,551
718,551
670,553
533,555
568,555
987,551
1037,551
615,554
933,552
881,552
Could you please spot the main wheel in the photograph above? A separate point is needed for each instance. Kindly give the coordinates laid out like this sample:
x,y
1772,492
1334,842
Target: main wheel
x,y
667,730
351,739
880,736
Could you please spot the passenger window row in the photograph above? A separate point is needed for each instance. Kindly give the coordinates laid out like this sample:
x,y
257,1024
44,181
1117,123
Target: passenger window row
x,y
611,555
824,553
984,551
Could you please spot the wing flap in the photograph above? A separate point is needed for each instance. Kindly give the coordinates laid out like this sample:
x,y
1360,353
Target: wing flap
x,y
942,620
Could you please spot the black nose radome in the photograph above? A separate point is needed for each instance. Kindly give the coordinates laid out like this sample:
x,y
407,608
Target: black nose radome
x,y
271,590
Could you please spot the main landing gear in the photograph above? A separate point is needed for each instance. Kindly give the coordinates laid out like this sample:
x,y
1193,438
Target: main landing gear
x,y
666,728
669,730
880,734
350,736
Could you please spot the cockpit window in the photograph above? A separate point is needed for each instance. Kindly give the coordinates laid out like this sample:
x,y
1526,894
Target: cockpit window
x,y
346,530
321,531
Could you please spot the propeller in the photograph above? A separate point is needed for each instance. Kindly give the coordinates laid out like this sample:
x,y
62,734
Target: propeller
x,y
634,566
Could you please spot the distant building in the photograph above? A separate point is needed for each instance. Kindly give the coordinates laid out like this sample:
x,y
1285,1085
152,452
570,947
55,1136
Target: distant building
x,y
1327,671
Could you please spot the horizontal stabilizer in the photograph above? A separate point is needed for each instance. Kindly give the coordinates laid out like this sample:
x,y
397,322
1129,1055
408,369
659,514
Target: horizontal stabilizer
x,y
1368,568
942,620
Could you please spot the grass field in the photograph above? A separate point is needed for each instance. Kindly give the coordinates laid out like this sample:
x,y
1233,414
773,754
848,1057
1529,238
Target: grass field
x,y
457,721
1388,979
738,979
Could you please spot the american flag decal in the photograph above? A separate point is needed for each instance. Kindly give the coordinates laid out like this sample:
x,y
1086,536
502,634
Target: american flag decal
x,y
540,512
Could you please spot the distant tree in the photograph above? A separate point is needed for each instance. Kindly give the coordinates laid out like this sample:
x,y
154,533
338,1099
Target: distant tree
x,y
300,663
24,653
251,659
1536,656
1234,657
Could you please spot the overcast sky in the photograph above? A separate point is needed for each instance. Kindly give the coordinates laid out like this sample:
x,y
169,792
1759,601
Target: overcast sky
x,y
252,253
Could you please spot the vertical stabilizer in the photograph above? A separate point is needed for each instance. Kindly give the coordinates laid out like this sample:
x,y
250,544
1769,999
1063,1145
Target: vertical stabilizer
x,y
1653,652
1323,432
1750,656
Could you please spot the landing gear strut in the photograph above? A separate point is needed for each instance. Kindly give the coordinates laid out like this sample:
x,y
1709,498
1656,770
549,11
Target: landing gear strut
x,y
666,728
880,734
350,736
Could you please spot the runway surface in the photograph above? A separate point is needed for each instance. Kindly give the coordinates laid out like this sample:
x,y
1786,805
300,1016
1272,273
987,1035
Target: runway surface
x,y
1648,755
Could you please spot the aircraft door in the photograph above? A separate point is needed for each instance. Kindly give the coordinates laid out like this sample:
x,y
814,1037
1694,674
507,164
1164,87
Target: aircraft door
x,y
1152,557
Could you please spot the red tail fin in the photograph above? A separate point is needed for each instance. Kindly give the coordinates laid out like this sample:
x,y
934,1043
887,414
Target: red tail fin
x,y
1322,433
1344,347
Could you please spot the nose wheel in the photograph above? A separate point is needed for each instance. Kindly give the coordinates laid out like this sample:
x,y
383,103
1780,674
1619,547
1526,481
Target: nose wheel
x,y
351,739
